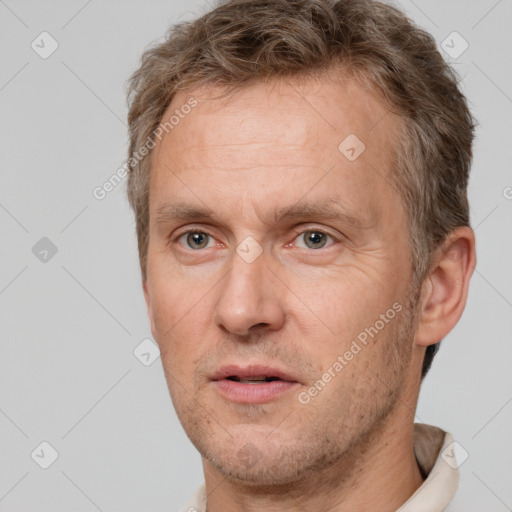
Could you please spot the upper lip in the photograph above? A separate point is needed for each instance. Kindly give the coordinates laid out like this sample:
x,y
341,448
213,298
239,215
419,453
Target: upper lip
x,y
253,370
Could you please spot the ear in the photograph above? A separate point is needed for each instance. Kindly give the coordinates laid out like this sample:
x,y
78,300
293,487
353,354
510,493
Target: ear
x,y
147,298
445,290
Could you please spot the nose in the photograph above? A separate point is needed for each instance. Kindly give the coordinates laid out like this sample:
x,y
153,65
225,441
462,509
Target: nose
x,y
246,301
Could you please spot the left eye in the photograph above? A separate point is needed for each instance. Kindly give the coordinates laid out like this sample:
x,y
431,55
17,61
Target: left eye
x,y
313,239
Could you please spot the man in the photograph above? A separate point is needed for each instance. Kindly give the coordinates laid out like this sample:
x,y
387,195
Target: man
x,y
298,172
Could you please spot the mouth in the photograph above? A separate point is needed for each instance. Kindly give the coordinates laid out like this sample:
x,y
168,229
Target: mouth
x,y
253,384
252,380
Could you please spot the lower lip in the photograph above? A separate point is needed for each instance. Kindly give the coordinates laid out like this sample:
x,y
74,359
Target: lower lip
x,y
253,393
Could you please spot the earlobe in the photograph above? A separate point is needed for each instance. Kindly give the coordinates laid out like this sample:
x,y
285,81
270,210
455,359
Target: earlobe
x,y
445,290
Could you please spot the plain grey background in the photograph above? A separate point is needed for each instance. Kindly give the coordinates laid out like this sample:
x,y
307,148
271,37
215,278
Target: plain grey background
x,y
71,321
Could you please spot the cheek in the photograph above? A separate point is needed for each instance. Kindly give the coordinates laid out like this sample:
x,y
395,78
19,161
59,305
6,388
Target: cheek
x,y
181,320
178,293
166,310
169,294
342,304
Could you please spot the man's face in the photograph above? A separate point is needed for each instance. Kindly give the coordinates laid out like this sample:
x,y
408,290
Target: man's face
x,y
247,290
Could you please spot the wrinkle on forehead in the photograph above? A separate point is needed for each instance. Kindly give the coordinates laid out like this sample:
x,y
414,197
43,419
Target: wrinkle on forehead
x,y
251,107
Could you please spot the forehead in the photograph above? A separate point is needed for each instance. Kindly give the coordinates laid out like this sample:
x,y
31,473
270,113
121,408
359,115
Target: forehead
x,y
278,136
320,106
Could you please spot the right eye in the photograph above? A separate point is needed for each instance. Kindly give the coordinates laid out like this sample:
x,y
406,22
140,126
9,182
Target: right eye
x,y
195,240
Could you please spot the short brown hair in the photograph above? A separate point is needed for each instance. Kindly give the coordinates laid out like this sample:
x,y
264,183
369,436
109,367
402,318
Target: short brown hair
x,y
242,42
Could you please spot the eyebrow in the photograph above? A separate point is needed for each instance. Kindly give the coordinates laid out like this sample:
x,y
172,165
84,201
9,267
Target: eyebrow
x,y
326,209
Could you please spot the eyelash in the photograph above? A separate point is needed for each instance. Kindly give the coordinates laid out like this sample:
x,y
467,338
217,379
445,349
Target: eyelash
x,y
295,235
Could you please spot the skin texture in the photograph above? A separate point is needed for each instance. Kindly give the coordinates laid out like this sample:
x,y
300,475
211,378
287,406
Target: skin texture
x,y
296,307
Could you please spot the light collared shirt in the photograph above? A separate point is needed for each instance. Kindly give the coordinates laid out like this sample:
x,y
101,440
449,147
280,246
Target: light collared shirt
x,y
435,456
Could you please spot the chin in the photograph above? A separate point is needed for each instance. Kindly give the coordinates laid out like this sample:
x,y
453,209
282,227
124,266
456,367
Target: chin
x,y
264,475
264,465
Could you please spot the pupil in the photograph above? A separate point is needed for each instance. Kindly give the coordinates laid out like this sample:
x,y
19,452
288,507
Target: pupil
x,y
197,239
316,238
